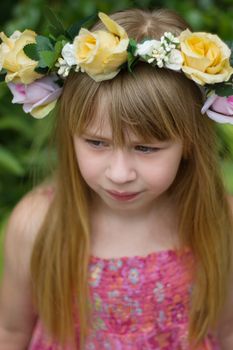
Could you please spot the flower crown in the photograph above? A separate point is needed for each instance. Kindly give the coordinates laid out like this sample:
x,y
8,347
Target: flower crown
x,y
35,67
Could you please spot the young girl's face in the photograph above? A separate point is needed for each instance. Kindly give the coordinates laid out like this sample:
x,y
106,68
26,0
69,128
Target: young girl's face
x,y
134,176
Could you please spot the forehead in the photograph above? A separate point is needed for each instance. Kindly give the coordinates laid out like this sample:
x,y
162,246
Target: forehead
x,y
101,127
118,114
99,124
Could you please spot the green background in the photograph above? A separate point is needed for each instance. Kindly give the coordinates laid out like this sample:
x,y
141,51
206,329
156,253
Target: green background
x,y
24,148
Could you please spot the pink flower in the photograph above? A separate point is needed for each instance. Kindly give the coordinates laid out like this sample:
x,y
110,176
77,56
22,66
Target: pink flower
x,y
219,108
37,98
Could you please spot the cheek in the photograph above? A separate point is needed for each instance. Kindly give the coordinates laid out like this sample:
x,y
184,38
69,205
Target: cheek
x,y
89,166
86,167
163,173
84,163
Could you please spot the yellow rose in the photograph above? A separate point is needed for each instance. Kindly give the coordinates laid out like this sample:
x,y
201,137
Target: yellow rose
x,y
19,67
101,53
206,58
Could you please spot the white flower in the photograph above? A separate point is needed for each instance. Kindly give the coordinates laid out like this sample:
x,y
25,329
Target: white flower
x,y
169,36
63,70
162,53
160,63
69,55
67,61
175,60
147,47
159,54
150,60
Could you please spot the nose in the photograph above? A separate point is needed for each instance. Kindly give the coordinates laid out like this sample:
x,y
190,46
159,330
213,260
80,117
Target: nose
x,y
120,168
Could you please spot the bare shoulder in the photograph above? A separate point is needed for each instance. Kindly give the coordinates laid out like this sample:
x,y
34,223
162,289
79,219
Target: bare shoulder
x,y
17,314
24,224
29,213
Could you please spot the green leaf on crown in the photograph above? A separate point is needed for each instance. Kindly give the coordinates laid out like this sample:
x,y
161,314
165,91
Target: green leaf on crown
x,y
58,48
62,38
43,43
132,59
3,74
47,59
46,52
41,70
31,51
2,77
224,89
132,47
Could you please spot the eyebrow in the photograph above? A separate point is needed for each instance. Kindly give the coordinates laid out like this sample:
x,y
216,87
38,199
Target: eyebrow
x,y
133,142
92,136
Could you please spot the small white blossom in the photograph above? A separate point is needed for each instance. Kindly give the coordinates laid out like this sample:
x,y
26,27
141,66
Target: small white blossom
x,y
175,60
162,53
169,36
69,55
160,63
67,61
159,53
147,47
176,41
150,60
64,69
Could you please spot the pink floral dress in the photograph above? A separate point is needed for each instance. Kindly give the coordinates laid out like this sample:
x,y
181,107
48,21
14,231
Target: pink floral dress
x,y
140,303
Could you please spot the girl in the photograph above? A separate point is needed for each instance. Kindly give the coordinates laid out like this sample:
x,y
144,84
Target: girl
x,y
130,247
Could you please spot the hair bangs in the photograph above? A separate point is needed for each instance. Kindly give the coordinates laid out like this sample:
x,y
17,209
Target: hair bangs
x,y
142,102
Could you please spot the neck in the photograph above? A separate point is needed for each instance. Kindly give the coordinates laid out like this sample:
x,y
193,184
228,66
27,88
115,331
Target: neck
x,y
152,229
156,209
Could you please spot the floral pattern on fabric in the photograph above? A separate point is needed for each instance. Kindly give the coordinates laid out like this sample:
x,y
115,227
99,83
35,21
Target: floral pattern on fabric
x,y
139,303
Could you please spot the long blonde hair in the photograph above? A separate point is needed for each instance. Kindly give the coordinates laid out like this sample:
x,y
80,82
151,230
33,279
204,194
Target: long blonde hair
x,y
153,103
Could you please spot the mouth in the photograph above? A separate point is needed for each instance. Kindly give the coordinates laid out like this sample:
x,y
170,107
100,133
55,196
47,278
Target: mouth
x,y
123,196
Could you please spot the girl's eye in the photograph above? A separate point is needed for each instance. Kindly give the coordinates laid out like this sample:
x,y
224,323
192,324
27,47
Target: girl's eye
x,y
96,143
146,149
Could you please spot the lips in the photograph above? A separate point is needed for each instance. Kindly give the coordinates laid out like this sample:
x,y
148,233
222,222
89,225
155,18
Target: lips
x,y
123,196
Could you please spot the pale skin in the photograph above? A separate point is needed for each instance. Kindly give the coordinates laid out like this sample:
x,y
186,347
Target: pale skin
x,y
147,169
115,169
17,316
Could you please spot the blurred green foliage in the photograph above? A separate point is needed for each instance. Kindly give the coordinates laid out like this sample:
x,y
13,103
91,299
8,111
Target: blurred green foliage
x,y
24,149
